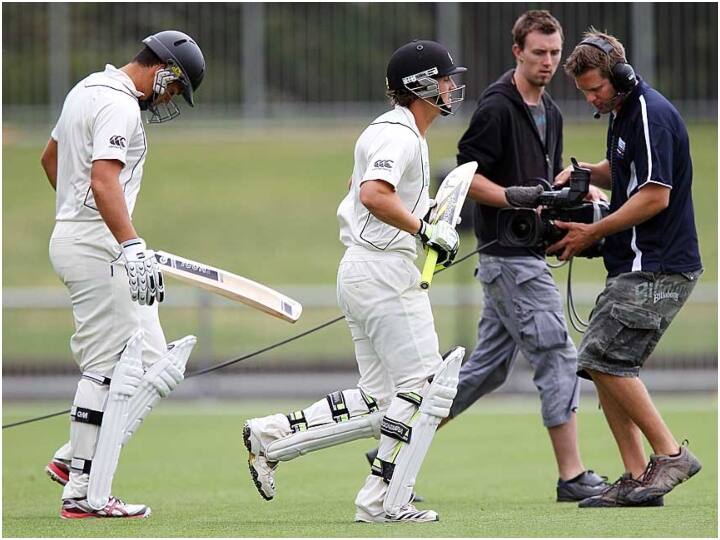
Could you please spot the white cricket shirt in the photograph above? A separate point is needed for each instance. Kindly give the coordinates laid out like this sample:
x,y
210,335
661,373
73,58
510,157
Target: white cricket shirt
x,y
390,149
100,119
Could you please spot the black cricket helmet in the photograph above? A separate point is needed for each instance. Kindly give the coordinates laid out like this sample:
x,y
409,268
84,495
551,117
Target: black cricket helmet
x,y
416,67
182,56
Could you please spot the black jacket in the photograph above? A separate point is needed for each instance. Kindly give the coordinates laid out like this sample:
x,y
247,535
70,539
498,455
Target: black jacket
x,y
503,139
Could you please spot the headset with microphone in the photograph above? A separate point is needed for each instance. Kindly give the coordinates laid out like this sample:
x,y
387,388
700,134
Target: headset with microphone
x,y
622,74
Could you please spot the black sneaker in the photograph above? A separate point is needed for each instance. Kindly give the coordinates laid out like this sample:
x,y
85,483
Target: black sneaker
x,y
587,484
616,495
372,454
663,473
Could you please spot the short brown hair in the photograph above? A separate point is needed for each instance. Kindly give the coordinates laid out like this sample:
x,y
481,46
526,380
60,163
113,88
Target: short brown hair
x,y
401,97
535,20
586,57
147,58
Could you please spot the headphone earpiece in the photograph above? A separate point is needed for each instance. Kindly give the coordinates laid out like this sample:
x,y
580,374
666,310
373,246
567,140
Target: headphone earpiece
x,y
622,74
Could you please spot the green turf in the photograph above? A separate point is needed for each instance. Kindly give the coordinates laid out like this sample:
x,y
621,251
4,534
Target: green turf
x,y
490,473
262,202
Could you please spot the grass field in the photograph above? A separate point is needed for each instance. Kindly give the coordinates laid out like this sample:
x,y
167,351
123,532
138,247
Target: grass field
x,y
255,200
490,473
262,202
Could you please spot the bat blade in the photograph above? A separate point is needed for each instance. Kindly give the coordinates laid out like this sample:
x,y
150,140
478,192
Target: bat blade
x,y
450,198
229,285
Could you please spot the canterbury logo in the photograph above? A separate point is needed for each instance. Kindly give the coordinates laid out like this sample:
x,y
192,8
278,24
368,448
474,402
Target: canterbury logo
x,y
383,164
118,141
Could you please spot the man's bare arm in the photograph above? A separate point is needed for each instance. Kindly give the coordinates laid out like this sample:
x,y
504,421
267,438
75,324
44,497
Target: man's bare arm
x,y
485,191
380,198
110,199
643,205
48,160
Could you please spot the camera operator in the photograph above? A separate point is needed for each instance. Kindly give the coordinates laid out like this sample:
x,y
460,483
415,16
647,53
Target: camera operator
x,y
652,258
515,135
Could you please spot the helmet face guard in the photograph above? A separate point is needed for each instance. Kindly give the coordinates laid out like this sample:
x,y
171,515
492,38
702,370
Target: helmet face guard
x,y
163,111
184,63
426,86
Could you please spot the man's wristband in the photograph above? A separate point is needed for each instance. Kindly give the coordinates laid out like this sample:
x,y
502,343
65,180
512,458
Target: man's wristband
x,y
421,232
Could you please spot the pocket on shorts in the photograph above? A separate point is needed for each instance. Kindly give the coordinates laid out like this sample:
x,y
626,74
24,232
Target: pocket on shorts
x,y
487,273
631,334
529,273
544,331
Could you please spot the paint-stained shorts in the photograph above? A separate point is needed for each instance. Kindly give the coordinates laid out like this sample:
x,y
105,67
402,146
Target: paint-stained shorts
x,y
629,318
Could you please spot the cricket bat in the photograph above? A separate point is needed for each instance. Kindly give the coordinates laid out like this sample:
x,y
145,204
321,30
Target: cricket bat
x,y
230,286
450,198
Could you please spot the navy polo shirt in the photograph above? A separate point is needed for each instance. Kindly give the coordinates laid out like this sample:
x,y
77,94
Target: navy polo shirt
x,y
647,142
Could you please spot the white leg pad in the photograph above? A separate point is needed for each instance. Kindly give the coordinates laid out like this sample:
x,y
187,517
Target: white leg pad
x,y
435,406
324,436
161,379
125,380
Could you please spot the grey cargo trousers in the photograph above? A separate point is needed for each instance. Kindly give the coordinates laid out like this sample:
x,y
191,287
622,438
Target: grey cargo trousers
x,y
522,312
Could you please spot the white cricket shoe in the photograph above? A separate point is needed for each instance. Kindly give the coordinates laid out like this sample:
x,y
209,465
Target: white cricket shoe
x,y
115,508
262,470
407,514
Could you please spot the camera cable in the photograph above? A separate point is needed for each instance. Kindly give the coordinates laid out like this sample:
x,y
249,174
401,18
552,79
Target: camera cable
x,y
254,353
575,320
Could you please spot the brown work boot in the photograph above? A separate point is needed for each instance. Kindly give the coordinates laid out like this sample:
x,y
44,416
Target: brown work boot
x,y
616,495
663,473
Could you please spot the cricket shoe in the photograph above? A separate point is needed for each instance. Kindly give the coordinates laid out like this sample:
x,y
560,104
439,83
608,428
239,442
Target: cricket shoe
x,y
587,484
663,473
115,508
58,471
262,470
407,514
617,495
372,454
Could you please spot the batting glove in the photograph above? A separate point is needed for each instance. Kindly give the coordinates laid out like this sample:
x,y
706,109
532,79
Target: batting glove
x,y
522,196
442,237
144,275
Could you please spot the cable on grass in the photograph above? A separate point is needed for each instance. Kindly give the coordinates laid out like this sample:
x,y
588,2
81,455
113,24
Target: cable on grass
x,y
244,357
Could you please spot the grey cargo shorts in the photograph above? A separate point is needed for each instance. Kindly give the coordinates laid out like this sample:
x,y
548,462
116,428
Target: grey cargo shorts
x,y
629,318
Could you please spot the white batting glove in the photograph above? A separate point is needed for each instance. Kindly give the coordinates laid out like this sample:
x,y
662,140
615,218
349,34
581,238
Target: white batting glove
x,y
144,275
441,236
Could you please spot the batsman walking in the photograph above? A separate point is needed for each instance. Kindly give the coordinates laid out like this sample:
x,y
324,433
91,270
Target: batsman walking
x,y
405,386
94,161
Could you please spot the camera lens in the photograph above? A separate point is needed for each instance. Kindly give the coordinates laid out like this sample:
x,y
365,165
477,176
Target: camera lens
x,y
522,229
518,227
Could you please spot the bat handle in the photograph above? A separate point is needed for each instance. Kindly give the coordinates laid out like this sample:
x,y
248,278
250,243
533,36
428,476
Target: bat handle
x,y
428,268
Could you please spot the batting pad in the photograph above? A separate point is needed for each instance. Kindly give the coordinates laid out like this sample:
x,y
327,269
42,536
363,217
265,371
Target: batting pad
x,y
435,406
324,436
345,415
125,380
161,379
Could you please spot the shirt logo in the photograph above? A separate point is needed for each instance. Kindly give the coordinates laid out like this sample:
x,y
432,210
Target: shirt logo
x,y
117,141
383,164
620,147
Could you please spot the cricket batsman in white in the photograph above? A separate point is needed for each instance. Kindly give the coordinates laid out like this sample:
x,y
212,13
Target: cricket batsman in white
x,y
405,386
94,161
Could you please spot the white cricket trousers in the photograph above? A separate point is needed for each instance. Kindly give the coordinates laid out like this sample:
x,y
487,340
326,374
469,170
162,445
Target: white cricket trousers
x,y
393,330
89,262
